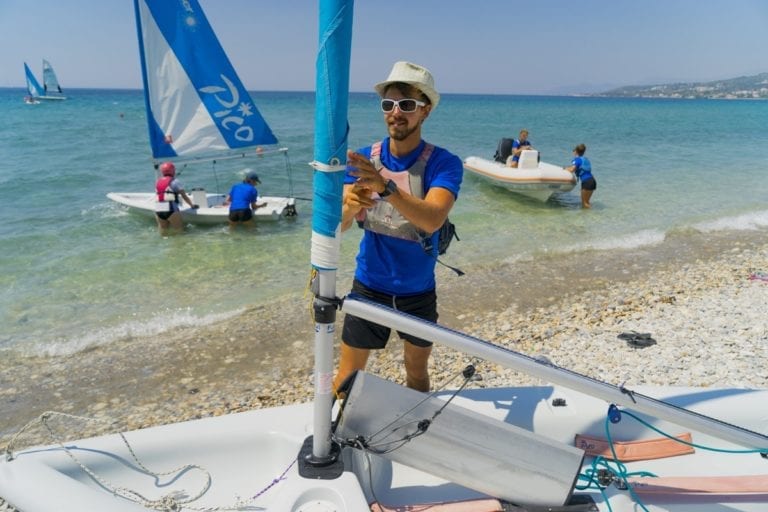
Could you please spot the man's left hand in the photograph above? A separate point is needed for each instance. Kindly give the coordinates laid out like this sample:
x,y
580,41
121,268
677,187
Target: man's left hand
x,y
366,174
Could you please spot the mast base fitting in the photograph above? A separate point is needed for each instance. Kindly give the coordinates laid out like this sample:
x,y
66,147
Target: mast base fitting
x,y
324,468
324,312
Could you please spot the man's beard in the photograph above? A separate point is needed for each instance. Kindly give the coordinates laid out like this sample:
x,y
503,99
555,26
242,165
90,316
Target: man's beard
x,y
400,134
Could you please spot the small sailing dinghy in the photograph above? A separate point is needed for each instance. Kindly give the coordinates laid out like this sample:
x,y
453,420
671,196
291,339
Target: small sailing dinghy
x,y
531,178
50,90
198,111
34,90
573,445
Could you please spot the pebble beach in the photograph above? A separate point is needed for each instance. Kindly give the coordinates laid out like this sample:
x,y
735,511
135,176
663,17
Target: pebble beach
x,y
701,297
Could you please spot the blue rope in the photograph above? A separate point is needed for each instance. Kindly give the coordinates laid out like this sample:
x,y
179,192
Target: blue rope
x,y
702,447
601,466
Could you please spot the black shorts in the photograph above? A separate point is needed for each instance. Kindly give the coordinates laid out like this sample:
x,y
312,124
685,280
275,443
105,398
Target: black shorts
x,y
360,333
589,184
164,215
240,215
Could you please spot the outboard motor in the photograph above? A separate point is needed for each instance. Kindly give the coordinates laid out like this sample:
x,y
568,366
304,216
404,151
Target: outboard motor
x,y
503,150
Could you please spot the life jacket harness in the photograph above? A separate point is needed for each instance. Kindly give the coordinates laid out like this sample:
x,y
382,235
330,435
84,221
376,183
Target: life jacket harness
x,y
584,167
383,218
165,194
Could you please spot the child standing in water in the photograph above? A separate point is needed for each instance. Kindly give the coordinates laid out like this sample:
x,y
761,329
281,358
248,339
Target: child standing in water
x,y
582,168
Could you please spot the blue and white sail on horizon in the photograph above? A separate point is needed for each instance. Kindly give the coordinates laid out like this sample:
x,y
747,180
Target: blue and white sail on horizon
x,y
197,107
34,89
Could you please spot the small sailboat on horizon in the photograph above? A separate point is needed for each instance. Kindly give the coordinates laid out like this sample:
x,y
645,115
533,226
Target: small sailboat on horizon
x,y
50,90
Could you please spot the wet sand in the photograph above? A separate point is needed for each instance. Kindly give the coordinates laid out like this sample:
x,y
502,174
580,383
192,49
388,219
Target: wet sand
x,y
263,357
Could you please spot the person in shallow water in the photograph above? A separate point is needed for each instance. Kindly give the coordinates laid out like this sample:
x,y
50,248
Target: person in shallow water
x,y
169,190
242,200
582,168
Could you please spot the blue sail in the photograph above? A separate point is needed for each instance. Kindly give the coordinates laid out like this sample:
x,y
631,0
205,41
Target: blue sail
x,y
331,128
33,86
197,107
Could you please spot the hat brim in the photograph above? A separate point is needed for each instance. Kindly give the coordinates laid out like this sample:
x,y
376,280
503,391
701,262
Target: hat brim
x,y
429,92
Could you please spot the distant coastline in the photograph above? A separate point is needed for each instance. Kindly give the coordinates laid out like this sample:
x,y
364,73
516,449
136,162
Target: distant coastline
x,y
753,87
741,88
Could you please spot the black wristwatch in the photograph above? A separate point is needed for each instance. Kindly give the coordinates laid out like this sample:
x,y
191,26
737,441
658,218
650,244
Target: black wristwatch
x,y
389,188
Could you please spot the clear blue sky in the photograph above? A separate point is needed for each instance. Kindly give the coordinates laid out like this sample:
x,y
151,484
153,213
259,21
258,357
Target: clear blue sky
x,y
481,46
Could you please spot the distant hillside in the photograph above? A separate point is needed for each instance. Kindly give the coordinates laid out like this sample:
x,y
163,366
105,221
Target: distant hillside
x,y
743,87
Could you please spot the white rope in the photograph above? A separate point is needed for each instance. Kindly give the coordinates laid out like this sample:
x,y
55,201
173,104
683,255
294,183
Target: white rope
x,y
171,502
6,507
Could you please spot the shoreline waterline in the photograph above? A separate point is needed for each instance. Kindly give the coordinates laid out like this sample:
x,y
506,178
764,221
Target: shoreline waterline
x,y
263,356
84,272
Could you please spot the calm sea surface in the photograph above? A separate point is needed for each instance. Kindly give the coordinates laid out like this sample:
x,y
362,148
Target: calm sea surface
x,y
77,270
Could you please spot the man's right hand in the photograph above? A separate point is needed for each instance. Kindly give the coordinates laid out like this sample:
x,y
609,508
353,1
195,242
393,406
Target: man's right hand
x,y
356,198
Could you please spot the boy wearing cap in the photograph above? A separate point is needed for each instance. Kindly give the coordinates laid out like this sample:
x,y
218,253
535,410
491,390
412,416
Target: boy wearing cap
x,y
242,200
400,190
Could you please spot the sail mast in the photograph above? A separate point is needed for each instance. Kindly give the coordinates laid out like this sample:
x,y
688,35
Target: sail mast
x,y
330,156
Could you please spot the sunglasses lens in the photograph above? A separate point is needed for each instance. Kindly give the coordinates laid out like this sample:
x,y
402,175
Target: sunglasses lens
x,y
408,105
387,105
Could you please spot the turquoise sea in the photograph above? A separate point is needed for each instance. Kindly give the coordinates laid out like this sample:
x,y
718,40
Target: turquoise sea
x,y
76,270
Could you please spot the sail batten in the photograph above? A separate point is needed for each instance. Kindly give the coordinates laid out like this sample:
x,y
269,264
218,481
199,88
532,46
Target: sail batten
x,y
196,103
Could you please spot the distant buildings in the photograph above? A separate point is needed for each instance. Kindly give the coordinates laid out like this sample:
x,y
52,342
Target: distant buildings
x,y
745,87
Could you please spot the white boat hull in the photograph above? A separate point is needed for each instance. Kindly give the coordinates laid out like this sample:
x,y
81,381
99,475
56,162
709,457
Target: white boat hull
x,y
211,211
254,454
50,98
538,180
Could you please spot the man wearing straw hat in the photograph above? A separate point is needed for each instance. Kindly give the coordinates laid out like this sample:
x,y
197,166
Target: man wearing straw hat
x,y
400,190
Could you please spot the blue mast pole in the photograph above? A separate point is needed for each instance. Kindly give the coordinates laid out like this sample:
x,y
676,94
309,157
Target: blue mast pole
x,y
330,156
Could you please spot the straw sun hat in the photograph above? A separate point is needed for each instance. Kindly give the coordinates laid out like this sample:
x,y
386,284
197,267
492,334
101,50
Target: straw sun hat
x,y
411,74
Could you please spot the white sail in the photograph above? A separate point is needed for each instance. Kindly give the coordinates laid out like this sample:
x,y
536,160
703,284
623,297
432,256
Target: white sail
x,y
50,82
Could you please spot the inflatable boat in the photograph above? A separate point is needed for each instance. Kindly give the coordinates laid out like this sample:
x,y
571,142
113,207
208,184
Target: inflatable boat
x,y
532,178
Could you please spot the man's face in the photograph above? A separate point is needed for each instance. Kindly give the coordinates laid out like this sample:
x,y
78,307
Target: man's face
x,y
401,125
